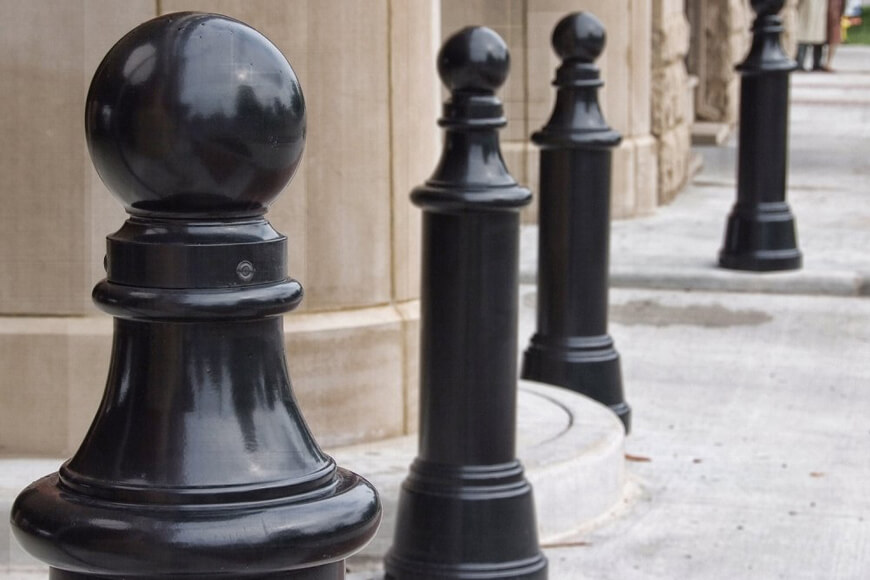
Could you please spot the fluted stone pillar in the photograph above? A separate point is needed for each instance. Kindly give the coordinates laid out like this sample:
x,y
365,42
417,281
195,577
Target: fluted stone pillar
x,y
353,234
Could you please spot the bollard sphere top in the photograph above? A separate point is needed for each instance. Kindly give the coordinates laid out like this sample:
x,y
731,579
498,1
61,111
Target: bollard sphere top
x,y
474,60
195,116
579,36
767,7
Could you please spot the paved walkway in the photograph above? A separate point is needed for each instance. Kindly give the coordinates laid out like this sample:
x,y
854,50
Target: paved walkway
x,y
751,392
750,407
752,440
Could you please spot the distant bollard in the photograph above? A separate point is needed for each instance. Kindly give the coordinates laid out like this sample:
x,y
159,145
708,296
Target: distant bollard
x,y
466,509
198,464
571,347
760,234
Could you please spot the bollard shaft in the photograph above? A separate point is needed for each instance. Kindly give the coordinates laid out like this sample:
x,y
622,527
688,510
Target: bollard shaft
x,y
468,344
572,285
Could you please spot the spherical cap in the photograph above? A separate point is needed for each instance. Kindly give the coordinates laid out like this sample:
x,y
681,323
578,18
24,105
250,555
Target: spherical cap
x,y
475,59
767,7
197,116
579,36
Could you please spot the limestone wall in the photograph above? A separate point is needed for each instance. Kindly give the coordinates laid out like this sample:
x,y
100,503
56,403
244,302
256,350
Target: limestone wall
x,y
367,71
720,40
672,99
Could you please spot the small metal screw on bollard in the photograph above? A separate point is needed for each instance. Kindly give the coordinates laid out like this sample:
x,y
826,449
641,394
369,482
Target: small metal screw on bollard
x,y
198,463
466,509
571,347
760,234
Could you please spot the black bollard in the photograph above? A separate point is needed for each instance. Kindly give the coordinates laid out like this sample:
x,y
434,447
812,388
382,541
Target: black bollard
x,y
466,509
198,464
760,234
571,347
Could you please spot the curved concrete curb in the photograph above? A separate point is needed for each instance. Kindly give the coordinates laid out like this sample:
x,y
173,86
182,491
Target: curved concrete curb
x,y
579,474
571,447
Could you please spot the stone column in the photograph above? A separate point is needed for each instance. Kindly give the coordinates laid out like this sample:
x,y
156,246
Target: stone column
x,y
528,95
719,40
54,220
672,101
355,250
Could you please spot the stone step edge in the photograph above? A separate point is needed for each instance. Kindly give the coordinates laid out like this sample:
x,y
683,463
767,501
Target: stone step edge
x,y
799,282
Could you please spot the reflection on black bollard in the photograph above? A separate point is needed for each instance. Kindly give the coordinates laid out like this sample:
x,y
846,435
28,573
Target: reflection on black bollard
x,y
198,463
760,234
571,347
466,509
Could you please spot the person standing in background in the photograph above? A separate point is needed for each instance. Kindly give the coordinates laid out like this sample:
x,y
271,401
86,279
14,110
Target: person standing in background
x,y
836,8
812,23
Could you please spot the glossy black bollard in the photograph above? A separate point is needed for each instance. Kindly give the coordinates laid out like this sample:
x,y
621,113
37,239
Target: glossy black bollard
x,y
760,234
571,347
466,509
198,463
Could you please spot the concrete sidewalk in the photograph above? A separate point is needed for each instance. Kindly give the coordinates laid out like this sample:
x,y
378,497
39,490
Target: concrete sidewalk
x,y
750,437
751,392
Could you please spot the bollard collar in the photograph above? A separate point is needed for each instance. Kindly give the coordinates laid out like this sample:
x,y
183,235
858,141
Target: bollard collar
x,y
766,54
577,120
472,175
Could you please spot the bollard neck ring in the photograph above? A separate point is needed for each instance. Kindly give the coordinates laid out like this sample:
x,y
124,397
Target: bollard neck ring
x,y
766,55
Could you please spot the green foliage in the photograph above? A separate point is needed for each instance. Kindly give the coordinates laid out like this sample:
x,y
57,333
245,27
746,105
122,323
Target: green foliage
x,y
860,34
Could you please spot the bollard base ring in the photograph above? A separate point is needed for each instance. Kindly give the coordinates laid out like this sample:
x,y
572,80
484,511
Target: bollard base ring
x,y
83,537
333,571
592,370
763,260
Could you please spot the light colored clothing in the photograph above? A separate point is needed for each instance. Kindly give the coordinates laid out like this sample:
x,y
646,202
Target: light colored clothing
x,y
835,27
812,21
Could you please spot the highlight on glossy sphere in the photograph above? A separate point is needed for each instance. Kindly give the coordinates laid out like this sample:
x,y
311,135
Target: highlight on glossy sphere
x,y
475,60
195,115
579,36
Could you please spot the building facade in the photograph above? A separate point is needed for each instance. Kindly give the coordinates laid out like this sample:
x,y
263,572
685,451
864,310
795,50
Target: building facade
x,y
367,69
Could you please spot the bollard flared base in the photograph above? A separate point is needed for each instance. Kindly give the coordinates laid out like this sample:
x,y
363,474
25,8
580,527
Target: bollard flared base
x,y
763,261
334,571
401,569
466,522
761,239
589,366
305,535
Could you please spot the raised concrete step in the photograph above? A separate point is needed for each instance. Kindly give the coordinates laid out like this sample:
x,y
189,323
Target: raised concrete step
x,y
572,449
677,248
709,133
